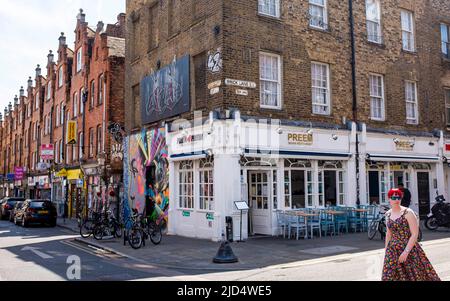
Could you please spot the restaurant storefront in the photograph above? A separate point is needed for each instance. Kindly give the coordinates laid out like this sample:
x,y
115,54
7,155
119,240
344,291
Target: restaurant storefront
x,y
391,159
77,200
270,167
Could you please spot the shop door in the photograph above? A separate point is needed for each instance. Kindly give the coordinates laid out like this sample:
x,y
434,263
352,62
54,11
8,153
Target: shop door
x,y
423,186
260,202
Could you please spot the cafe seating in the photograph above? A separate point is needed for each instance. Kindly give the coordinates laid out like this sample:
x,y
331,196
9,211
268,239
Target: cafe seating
x,y
357,220
296,223
282,222
327,223
341,220
314,222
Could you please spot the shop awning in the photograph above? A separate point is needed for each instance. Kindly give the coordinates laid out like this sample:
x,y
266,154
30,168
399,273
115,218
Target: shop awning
x,y
74,174
188,156
298,154
403,158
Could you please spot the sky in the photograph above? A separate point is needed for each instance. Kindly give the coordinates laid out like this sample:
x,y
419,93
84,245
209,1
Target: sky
x,y
30,28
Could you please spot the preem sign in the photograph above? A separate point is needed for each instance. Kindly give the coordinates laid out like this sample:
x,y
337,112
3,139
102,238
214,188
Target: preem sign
x,y
300,138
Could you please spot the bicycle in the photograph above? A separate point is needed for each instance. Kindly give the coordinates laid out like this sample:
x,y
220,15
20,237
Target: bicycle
x,y
379,225
108,227
151,230
133,231
88,225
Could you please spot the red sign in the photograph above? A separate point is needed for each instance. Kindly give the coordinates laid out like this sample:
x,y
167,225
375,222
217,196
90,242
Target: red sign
x,y
47,152
447,147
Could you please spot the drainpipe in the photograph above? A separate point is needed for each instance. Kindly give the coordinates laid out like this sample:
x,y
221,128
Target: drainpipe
x,y
354,95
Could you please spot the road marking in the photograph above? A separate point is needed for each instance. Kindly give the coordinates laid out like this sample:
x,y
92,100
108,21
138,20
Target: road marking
x,y
37,252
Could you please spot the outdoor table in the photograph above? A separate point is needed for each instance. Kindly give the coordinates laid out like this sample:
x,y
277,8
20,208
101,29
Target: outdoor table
x,y
336,212
306,215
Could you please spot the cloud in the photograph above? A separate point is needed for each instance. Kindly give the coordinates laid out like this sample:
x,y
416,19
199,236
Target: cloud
x,y
29,29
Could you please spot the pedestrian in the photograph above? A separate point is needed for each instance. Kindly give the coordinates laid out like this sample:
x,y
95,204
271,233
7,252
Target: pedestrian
x,y
406,200
405,259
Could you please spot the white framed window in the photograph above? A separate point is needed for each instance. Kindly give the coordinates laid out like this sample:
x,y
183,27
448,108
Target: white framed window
x,y
75,105
79,59
74,153
445,40
320,76
60,77
91,142
447,106
49,90
373,18
270,80
377,104
80,144
92,94
56,152
206,185
61,151
412,111
101,87
186,185
45,125
36,101
29,109
62,114
269,8
57,116
341,188
318,14
82,101
408,40
99,139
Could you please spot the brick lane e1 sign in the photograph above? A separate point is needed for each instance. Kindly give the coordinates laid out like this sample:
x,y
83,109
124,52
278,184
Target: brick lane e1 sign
x,y
165,93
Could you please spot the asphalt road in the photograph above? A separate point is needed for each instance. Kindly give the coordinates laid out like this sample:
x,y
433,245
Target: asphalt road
x,y
51,254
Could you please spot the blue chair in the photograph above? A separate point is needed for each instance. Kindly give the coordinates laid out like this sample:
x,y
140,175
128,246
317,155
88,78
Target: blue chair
x,y
282,222
297,223
357,220
341,220
314,222
327,223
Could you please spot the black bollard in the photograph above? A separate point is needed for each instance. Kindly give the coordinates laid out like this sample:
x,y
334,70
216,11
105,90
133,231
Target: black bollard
x,y
225,254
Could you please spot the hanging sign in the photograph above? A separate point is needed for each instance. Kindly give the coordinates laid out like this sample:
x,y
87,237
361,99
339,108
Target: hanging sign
x,y
72,132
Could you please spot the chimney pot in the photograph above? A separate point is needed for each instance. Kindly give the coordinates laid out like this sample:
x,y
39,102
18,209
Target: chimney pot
x,y
100,26
38,71
22,92
30,82
50,57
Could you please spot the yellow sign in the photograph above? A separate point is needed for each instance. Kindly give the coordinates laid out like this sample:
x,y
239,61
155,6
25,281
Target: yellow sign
x,y
72,132
302,139
404,145
74,174
62,173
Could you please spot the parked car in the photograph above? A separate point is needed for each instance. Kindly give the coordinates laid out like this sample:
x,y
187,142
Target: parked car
x,y
36,212
16,208
6,205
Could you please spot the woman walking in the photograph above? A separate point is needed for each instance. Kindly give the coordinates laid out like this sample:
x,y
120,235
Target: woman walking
x,y
405,259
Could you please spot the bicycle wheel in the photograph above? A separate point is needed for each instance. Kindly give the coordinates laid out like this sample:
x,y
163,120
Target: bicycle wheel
x,y
99,231
117,230
86,229
135,238
155,233
373,229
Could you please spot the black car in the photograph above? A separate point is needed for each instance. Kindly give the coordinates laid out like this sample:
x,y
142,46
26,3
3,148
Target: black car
x,y
16,208
41,212
6,205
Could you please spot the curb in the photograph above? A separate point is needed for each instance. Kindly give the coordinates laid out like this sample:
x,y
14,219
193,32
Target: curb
x,y
67,227
99,246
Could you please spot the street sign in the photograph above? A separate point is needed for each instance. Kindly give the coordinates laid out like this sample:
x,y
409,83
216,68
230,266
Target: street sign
x,y
240,83
72,132
42,166
242,92
47,152
19,173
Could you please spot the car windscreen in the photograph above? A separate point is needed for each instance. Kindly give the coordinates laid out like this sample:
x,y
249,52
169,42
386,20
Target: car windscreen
x,y
40,205
12,202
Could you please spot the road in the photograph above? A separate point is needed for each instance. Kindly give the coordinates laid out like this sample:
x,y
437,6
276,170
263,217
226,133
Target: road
x,y
52,254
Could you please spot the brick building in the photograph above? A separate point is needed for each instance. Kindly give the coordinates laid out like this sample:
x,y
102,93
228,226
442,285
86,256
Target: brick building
x,y
85,86
299,100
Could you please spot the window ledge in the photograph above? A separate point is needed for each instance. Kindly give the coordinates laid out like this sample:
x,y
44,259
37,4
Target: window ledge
x,y
320,29
269,17
412,52
187,209
379,45
377,120
269,108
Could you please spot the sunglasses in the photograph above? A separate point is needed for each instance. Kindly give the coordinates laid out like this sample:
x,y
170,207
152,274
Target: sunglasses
x,y
396,198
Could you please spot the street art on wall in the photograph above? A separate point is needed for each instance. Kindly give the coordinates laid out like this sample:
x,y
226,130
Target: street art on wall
x,y
146,172
165,93
215,61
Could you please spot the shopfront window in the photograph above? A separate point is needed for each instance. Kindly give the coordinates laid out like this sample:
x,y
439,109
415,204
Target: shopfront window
x,y
186,185
275,189
331,183
206,184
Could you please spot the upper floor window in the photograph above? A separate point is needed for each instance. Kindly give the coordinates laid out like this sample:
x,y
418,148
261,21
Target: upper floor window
x,y
29,109
269,7
99,139
79,59
447,106
320,76
101,89
408,30
318,14
80,144
62,114
445,40
373,16
91,142
60,76
75,105
57,115
92,102
36,101
82,92
412,111
49,90
270,80
376,86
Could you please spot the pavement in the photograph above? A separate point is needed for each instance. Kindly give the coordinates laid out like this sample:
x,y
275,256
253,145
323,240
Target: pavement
x,y
190,254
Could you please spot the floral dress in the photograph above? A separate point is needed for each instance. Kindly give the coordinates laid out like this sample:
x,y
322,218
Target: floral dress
x,y
417,267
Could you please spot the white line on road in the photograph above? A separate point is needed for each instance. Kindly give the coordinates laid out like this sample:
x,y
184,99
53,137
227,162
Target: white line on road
x,y
38,253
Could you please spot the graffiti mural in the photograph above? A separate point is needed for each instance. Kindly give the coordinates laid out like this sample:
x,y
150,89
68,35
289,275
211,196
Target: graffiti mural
x,y
146,172
165,93
215,61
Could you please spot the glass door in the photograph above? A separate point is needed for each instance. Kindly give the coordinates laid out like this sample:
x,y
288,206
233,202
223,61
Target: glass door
x,y
260,196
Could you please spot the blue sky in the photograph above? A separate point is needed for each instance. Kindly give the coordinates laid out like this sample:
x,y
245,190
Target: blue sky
x,y
30,28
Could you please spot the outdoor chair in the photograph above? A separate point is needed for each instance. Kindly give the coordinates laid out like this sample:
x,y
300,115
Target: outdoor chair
x,y
282,222
314,223
297,223
327,223
341,220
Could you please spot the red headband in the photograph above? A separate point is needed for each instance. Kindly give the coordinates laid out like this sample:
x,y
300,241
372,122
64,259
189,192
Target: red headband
x,y
395,192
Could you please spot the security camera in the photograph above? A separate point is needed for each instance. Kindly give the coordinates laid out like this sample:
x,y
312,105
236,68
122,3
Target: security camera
x,y
310,132
280,131
396,141
334,137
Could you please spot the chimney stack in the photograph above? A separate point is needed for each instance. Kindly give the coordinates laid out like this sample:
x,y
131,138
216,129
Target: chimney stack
x,y
62,40
16,101
6,112
22,92
51,57
30,82
81,16
10,107
1,117
100,26
121,19
38,71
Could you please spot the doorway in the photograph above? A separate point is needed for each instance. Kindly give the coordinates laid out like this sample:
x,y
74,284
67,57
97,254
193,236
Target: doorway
x,y
423,187
298,189
260,202
374,188
330,188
